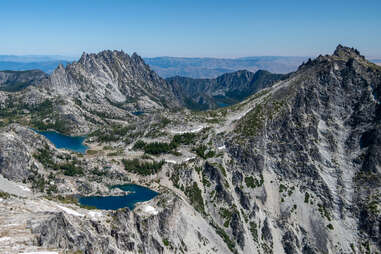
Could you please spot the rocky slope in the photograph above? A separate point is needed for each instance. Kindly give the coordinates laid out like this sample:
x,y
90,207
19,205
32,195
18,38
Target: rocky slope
x,y
227,89
294,168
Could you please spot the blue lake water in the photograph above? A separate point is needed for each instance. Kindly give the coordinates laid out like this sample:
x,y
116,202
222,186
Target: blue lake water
x,y
222,104
138,194
138,113
62,141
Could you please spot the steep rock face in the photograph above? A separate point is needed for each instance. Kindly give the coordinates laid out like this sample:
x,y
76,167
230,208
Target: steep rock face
x,y
173,229
317,134
112,77
222,91
16,146
12,81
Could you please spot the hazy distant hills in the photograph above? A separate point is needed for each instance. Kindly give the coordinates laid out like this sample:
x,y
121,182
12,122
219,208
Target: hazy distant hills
x,y
168,66
31,62
376,61
214,67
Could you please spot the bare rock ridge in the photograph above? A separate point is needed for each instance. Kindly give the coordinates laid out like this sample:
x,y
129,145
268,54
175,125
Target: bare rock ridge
x,y
112,76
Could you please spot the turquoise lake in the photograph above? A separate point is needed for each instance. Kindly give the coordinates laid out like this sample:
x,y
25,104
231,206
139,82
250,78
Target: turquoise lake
x,y
138,194
74,144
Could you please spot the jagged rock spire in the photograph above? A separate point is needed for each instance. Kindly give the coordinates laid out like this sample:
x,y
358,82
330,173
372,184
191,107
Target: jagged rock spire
x,y
343,51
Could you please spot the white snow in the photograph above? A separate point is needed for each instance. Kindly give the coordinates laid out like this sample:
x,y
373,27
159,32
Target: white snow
x,y
199,128
150,209
1,200
221,147
24,188
95,215
69,211
190,158
171,161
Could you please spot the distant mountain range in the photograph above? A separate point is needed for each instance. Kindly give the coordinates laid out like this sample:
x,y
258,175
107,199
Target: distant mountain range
x,y
168,66
376,61
214,67
32,62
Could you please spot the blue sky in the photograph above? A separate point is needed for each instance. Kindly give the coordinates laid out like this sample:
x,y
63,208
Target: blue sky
x,y
190,28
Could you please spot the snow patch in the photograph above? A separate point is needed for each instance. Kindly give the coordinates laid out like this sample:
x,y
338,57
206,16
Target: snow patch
x,y
221,147
199,128
190,158
95,215
150,210
171,161
24,188
69,211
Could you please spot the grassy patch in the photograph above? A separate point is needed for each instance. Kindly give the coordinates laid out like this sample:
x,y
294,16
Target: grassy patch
x,y
91,152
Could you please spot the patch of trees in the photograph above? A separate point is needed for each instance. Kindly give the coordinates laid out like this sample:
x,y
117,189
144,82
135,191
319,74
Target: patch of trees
x,y
157,148
142,167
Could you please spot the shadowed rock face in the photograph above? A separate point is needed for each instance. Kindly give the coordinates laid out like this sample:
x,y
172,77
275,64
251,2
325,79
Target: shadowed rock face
x,y
227,89
13,81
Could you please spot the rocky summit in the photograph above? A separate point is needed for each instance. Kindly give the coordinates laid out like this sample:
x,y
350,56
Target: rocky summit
x,y
291,165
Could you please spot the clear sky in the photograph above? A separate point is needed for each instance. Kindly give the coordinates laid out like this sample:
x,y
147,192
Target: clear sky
x,y
203,28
